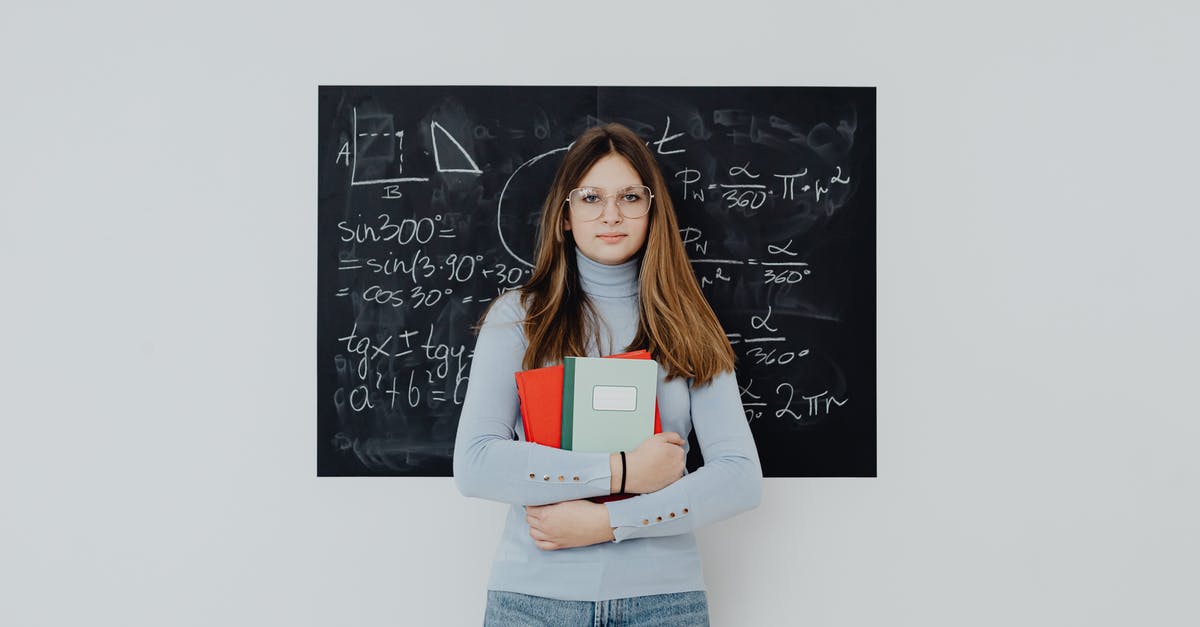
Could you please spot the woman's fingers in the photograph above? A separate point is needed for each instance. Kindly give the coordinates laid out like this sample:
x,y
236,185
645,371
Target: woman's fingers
x,y
541,540
672,437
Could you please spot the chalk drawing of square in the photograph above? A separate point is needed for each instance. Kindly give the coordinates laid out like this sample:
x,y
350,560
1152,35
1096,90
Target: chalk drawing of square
x,y
376,147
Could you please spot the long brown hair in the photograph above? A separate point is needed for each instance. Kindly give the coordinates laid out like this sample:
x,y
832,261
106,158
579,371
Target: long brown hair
x,y
675,322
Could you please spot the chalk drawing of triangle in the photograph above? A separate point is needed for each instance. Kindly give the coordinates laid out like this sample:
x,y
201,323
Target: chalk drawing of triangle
x,y
434,127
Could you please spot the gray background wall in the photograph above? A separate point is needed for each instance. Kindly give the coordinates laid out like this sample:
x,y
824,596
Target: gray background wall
x,y
1036,285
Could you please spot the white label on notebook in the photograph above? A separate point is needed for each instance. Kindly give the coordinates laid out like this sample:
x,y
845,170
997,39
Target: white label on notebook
x,y
614,398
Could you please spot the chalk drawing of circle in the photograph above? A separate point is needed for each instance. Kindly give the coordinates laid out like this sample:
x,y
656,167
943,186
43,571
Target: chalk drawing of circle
x,y
519,198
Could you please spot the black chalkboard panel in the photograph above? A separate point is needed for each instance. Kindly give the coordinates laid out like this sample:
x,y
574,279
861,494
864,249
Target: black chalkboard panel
x,y
428,201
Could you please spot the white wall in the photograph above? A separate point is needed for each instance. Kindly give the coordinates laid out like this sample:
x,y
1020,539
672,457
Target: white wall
x,y
1036,292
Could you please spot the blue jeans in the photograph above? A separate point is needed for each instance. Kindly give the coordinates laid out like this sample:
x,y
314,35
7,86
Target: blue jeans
x,y
680,609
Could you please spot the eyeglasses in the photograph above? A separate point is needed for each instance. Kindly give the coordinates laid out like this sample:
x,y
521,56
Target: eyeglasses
x,y
588,203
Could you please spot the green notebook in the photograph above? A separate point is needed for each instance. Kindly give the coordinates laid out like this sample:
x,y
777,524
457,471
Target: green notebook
x,y
608,404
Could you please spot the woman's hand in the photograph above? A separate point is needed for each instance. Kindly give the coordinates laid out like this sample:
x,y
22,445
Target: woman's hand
x,y
655,464
568,524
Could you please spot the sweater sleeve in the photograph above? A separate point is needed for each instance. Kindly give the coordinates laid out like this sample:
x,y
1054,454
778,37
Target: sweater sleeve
x,y
488,462
730,482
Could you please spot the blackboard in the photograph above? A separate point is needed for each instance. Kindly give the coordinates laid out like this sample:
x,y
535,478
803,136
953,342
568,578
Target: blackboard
x,y
428,201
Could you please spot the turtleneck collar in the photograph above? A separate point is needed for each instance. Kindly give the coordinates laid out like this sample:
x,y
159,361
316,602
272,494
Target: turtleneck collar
x,y
598,279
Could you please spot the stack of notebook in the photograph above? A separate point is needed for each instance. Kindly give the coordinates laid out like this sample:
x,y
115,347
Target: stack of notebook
x,y
592,404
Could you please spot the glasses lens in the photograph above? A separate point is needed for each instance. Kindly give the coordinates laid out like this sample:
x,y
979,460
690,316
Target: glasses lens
x,y
634,201
587,203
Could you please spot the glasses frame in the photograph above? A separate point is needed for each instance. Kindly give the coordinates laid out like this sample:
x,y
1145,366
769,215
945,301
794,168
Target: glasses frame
x,y
649,193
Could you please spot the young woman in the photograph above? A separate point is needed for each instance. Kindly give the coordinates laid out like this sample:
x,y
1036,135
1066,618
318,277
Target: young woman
x,y
611,276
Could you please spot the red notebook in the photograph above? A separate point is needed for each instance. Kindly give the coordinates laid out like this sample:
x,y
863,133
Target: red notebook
x,y
540,391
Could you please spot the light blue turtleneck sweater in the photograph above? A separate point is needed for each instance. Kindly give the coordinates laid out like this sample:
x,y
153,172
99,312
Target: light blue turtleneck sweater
x,y
654,551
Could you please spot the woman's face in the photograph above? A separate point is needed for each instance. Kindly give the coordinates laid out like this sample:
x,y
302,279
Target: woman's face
x,y
612,238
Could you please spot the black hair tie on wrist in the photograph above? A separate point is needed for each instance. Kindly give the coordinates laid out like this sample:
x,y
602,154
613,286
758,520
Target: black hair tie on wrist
x,y
622,472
